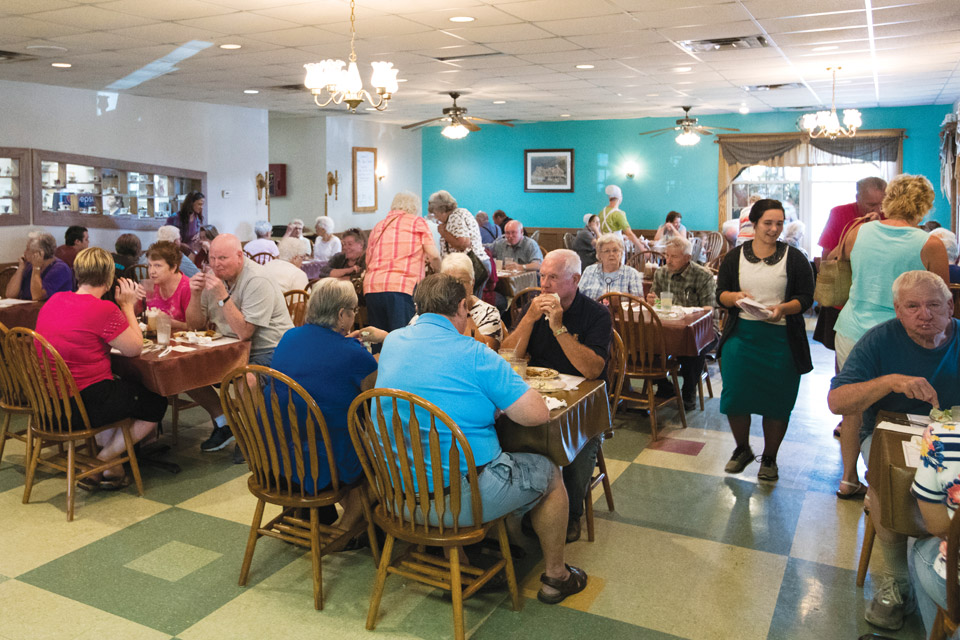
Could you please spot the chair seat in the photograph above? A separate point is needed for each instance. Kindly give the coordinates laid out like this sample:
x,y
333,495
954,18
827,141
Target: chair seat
x,y
431,536
280,497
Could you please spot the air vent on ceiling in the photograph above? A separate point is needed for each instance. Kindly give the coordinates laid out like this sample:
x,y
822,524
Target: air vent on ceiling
x,y
13,56
724,44
804,109
289,87
772,87
467,57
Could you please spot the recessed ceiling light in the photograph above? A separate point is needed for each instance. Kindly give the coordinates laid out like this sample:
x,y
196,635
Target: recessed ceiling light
x,y
61,65
682,69
564,115
652,95
462,19
251,91
826,48
401,79
45,47
584,66
230,46
499,102
744,109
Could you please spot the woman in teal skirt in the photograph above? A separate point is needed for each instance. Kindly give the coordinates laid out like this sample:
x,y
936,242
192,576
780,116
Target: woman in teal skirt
x,y
763,353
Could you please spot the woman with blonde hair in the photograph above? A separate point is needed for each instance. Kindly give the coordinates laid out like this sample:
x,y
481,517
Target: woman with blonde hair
x,y
879,251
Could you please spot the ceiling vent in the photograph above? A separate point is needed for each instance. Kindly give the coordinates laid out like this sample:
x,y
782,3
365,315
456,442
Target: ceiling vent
x,y
467,57
294,88
772,87
724,44
13,56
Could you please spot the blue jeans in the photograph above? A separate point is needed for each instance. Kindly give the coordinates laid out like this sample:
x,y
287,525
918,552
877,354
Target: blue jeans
x,y
577,474
389,310
930,588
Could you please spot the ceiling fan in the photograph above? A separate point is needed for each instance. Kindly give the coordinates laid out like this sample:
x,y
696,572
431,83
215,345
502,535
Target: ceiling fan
x,y
459,124
689,128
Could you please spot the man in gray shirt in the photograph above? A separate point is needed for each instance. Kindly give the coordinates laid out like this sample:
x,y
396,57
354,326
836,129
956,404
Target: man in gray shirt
x,y
241,302
515,246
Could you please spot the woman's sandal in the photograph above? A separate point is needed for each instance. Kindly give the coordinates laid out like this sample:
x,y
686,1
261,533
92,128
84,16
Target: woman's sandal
x,y
115,484
89,483
575,583
858,492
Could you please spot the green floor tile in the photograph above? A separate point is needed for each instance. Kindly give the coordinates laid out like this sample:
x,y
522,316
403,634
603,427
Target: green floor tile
x,y
820,601
11,476
538,620
729,510
98,574
173,561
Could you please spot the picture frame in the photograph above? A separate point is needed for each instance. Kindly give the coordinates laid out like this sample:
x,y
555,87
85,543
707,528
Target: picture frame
x,y
548,170
364,179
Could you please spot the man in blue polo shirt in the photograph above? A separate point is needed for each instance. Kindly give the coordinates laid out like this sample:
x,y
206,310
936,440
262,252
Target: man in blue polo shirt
x,y
470,382
565,330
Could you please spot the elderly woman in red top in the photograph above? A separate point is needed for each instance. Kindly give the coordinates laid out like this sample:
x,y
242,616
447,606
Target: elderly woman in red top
x,y
83,328
397,251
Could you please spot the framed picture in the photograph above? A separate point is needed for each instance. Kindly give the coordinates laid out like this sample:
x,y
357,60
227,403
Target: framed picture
x,y
548,170
364,179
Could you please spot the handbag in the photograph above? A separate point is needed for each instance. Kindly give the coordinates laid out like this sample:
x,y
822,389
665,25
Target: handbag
x,y
835,275
480,271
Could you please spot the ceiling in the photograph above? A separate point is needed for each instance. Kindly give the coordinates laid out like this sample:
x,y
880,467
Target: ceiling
x,y
892,52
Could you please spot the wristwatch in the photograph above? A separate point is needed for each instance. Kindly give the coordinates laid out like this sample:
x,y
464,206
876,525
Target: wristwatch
x,y
220,303
559,331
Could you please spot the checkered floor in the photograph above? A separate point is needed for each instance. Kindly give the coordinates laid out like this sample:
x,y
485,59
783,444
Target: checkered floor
x,y
689,552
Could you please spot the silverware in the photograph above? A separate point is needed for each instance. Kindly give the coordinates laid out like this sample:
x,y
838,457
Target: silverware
x,y
165,352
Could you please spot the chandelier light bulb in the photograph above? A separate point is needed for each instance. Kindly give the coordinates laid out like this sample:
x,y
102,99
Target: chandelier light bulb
x,y
826,124
687,138
455,131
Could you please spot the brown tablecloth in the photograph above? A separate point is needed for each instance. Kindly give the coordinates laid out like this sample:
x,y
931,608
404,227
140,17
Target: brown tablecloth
x,y
688,335
586,415
891,478
20,315
510,283
177,372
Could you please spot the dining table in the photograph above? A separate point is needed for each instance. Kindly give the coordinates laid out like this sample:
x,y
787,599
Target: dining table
x,y
570,427
511,281
313,268
19,313
687,331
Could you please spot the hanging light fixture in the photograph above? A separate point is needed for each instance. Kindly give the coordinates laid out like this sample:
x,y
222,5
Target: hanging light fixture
x,y
826,124
345,85
687,138
455,131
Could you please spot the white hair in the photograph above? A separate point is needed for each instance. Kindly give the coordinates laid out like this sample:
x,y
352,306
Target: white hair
x,y
949,242
168,233
684,245
263,229
609,238
794,230
296,221
289,248
910,280
457,262
570,260
326,222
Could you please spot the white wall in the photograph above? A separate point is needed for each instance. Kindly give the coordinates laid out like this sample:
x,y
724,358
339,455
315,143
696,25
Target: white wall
x,y
229,143
300,143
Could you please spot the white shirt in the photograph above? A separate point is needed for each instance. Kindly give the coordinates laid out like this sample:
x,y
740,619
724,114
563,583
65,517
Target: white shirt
x,y
326,249
287,276
767,284
262,245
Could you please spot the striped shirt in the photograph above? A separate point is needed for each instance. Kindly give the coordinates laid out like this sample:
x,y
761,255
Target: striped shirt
x,y
395,255
596,282
938,477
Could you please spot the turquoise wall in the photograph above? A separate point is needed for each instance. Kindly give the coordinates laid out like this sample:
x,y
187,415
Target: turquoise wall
x,y
485,169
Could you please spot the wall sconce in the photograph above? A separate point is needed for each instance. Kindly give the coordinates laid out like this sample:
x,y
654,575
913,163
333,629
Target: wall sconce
x,y
381,172
631,169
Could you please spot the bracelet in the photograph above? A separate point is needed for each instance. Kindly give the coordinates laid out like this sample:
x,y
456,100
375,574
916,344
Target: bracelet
x,y
559,331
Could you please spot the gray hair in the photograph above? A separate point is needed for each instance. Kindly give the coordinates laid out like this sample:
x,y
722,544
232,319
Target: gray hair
x,y
684,245
482,217
872,182
441,200
569,259
168,233
326,222
609,238
457,262
406,201
289,248
263,229
46,244
794,230
439,293
910,280
297,221
327,298
949,243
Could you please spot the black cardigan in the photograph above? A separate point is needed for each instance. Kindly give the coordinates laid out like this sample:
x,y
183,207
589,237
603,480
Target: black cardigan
x,y
799,287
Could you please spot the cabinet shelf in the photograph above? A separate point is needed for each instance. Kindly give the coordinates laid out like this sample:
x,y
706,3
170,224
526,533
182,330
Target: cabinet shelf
x,y
17,179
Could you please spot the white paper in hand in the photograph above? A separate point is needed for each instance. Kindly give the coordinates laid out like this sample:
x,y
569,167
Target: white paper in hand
x,y
754,308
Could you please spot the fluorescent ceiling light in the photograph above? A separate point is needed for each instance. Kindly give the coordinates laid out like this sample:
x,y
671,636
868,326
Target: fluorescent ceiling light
x,y
584,66
251,91
462,19
564,115
230,46
61,65
499,102
160,66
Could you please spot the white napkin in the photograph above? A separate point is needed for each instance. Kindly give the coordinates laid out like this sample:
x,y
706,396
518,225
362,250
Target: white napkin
x,y
9,302
554,403
570,382
182,348
754,308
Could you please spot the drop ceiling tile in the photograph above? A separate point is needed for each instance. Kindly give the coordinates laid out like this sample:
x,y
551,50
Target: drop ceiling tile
x,y
593,26
662,5
390,6
485,16
816,23
574,57
378,26
946,23
818,38
89,17
492,64
692,16
545,45
316,12
764,9
505,33
298,37
165,10
521,72
166,32
238,23
414,42
538,10
33,28
724,30
622,38
250,5
97,41
25,7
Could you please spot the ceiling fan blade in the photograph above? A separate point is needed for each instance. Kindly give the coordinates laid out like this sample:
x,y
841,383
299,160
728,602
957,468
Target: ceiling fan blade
x,y
720,128
462,121
505,123
644,133
422,122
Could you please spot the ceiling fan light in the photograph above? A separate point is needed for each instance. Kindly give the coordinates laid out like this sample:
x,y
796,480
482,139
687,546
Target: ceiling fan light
x,y
455,131
687,138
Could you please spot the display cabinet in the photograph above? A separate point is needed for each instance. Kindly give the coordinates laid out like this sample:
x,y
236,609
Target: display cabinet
x,y
100,192
14,186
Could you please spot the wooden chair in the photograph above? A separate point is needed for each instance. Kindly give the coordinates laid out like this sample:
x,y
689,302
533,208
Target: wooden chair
x,y
714,245
947,621
866,549
279,457
704,376
645,353
568,239
615,371
138,272
535,236
6,274
261,258
297,305
59,417
955,290
515,308
696,246
12,400
392,454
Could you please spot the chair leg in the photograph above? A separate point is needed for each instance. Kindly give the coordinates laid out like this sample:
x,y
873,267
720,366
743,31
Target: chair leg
x,y
602,465
456,592
588,513
315,559
652,403
71,477
33,457
508,567
378,585
251,542
4,433
700,391
175,418
679,399
371,529
706,370
869,533
134,467
939,631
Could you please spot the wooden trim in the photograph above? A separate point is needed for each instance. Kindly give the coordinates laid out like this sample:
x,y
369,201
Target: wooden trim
x,y
22,202
372,178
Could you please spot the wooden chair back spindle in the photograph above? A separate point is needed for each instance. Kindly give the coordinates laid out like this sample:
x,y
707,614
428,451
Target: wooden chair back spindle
x,y
519,302
296,300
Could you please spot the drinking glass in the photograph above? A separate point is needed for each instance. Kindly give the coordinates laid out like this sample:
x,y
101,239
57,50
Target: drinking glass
x,y
163,329
666,300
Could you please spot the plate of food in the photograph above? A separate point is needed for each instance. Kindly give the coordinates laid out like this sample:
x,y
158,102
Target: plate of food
x,y
147,342
675,312
541,373
546,384
197,336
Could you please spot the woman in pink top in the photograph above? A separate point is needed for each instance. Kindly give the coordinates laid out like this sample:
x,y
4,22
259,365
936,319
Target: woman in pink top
x,y
397,250
171,289
83,328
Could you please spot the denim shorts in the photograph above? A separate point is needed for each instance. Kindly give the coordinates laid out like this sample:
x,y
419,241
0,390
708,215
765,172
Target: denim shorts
x,y
263,358
510,482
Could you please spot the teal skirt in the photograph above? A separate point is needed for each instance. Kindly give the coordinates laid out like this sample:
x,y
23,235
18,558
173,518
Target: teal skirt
x,y
759,376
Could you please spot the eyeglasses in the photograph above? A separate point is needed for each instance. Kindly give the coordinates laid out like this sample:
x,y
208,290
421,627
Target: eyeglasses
x,y
607,252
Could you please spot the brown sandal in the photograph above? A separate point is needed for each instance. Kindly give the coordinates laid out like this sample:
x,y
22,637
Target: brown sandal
x,y
575,583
